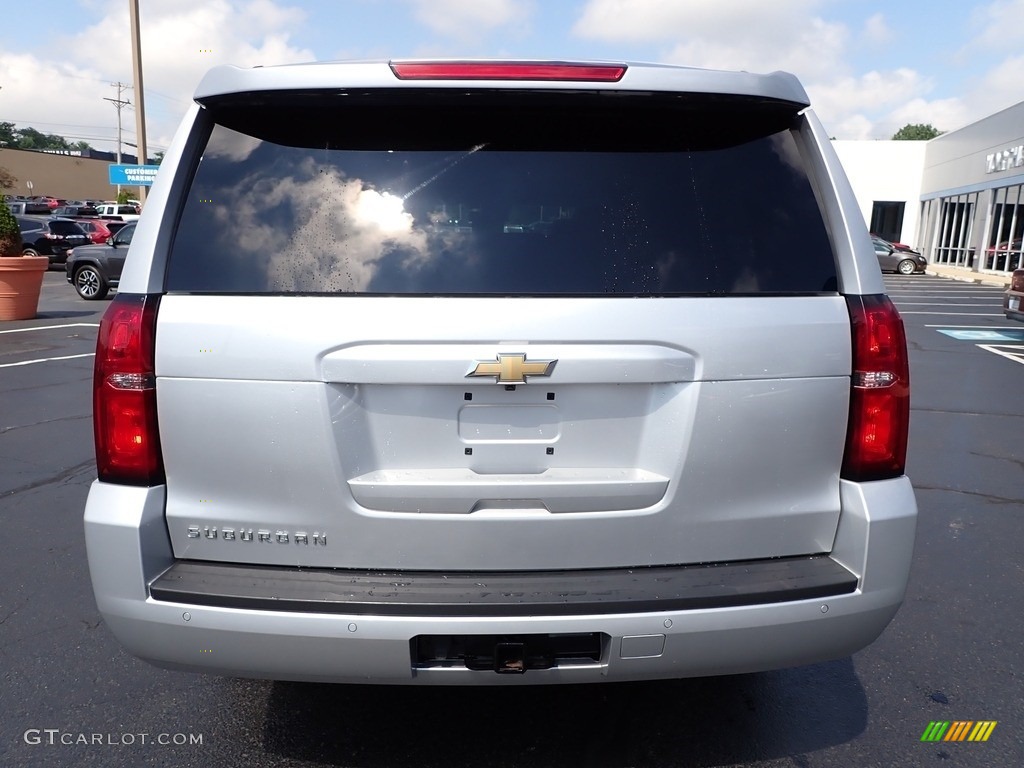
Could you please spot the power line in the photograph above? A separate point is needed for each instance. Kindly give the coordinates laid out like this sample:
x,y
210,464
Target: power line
x,y
36,123
118,103
148,90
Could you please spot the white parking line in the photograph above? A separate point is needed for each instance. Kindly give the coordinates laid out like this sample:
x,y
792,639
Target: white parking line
x,y
948,294
49,328
46,360
945,304
954,314
52,327
1010,352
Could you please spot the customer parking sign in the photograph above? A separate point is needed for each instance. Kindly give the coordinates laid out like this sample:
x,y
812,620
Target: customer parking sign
x,y
133,175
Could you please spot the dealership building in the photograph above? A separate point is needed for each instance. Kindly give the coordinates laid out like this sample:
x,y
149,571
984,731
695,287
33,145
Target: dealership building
x,y
956,198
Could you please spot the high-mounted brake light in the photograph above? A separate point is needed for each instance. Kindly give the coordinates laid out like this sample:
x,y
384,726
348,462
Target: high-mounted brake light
x,y
876,439
507,70
124,393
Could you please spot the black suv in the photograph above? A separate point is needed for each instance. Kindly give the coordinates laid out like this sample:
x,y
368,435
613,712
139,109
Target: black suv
x,y
52,237
95,269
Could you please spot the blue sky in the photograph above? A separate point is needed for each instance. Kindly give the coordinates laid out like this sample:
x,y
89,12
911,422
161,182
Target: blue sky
x,y
870,67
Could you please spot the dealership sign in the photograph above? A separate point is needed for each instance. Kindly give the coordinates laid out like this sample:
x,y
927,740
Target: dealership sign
x,y
133,174
1005,160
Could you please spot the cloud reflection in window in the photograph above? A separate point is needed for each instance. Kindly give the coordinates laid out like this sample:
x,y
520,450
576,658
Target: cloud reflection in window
x,y
340,232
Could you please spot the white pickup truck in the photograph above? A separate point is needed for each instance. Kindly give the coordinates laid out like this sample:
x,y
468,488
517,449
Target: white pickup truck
x,y
116,212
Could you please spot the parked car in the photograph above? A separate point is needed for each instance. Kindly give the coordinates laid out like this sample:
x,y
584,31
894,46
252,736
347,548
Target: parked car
x,y
97,229
893,259
94,269
28,207
48,201
73,211
53,237
30,223
336,442
897,246
117,212
1014,294
1005,255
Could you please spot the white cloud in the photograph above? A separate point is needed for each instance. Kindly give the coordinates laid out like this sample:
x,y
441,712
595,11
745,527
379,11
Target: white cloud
x,y
654,20
944,114
1002,24
815,48
798,37
750,35
877,31
468,20
1000,87
872,91
180,41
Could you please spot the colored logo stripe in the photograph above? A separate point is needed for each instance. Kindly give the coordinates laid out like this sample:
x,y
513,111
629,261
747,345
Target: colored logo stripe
x,y
958,730
982,730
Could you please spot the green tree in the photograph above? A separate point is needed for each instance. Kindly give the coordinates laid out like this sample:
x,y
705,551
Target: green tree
x,y
123,197
30,138
916,132
7,135
10,234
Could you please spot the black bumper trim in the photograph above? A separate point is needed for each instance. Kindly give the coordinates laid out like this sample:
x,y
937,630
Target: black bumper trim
x,y
646,589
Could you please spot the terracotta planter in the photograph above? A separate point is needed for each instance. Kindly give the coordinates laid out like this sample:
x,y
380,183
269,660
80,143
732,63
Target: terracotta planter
x,y
21,280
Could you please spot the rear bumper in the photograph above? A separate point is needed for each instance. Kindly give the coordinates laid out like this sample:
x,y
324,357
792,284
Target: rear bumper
x,y
239,621
502,595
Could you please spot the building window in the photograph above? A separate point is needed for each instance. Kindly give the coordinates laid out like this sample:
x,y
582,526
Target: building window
x,y
887,220
953,227
1003,251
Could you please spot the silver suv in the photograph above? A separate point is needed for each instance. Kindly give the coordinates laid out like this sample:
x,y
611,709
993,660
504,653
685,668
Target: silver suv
x,y
484,372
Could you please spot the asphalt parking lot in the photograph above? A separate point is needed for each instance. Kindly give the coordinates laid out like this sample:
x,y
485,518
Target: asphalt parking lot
x,y
69,695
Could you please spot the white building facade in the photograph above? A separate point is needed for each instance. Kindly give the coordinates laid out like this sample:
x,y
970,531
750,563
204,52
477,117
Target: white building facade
x,y
886,177
972,211
959,198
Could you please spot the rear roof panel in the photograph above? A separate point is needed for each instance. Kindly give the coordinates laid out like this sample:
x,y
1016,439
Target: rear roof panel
x,y
780,86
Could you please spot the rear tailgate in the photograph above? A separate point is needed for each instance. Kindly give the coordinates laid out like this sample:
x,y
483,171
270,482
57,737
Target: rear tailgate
x,y
486,329
345,432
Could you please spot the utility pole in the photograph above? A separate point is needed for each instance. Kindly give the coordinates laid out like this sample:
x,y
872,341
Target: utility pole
x,y
140,109
118,103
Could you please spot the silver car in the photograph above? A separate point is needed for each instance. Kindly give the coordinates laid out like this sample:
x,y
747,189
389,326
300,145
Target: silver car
x,y
477,372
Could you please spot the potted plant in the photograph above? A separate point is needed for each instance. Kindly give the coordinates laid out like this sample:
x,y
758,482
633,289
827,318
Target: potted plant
x,y
21,277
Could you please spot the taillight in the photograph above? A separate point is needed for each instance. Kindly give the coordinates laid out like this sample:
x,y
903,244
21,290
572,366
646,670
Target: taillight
x,y
507,70
124,393
876,439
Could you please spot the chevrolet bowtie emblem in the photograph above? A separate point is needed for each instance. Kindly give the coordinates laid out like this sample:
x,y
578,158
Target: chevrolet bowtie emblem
x,y
512,368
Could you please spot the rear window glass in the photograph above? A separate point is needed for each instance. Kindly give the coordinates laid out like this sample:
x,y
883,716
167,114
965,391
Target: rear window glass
x,y
66,228
505,194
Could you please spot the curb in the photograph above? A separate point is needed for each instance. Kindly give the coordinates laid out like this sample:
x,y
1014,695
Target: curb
x,y
967,276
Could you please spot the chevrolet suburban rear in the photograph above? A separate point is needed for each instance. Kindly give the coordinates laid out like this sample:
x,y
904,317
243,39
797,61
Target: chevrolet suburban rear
x,y
476,372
